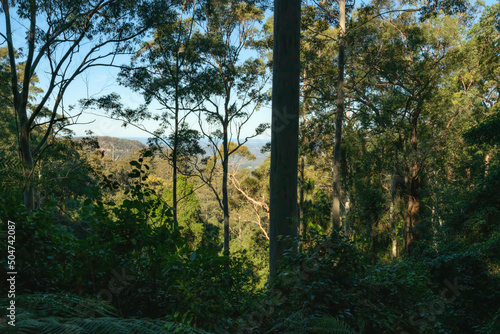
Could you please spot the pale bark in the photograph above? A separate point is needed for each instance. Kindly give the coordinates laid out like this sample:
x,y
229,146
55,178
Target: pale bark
x,y
225,201
338,122
394,207
255,204
413,183
487,164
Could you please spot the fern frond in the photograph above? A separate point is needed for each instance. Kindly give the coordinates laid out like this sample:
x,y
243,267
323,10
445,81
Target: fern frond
x,y
330,325
70,314
104,325
294,324
44,305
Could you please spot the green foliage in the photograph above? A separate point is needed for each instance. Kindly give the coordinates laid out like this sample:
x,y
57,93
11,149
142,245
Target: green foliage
x,y
128,255
330,325
65,313
494,325
297,323
318,279
101,253
189,218
209,287
486,132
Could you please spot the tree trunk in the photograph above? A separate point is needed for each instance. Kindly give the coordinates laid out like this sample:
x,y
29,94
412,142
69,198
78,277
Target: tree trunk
x,y
39,192
435,212
225,202
302,223
395,200
338,123
26,159
346,212
487,164
285,128
412,217
21,103
394,235
175,148
174,176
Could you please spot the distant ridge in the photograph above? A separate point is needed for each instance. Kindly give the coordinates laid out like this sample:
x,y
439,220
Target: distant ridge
x,y
144,140
124,147
117,148
254,145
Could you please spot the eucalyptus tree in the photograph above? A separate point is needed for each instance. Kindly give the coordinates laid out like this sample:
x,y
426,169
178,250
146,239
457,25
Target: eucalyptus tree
x,y
339,117
10,167
165,70
469,153
64,39
400,64
285,129
323,46
326,31
232,89
335,12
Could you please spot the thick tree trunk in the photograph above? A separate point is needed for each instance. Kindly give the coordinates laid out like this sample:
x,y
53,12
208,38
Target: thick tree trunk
x,y
285,128
26,159
21,101
338,123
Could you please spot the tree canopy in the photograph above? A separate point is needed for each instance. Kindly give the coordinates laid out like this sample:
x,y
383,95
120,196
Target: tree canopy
x,y
374,208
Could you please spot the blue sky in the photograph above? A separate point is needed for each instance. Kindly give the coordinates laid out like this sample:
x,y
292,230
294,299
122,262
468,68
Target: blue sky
x,y
100,81
103,81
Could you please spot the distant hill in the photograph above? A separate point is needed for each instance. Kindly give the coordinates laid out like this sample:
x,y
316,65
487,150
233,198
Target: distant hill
x,y
117,148
254,145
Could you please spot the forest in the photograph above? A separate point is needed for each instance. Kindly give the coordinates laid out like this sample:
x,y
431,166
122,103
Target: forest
x,y
316,166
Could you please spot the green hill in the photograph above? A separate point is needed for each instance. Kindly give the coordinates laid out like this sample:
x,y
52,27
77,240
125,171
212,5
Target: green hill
x,y
117,148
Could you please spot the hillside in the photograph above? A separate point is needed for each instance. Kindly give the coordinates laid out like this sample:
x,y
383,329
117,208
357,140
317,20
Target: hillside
x,y
254,145
117,148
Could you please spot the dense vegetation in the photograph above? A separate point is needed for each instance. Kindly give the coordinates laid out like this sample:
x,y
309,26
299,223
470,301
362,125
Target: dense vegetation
x,y
113,236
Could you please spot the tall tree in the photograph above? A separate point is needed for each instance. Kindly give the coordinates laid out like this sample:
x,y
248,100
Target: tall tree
x,y
165,70
334,12
404,61
339,116
285,128
56,34
232,89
